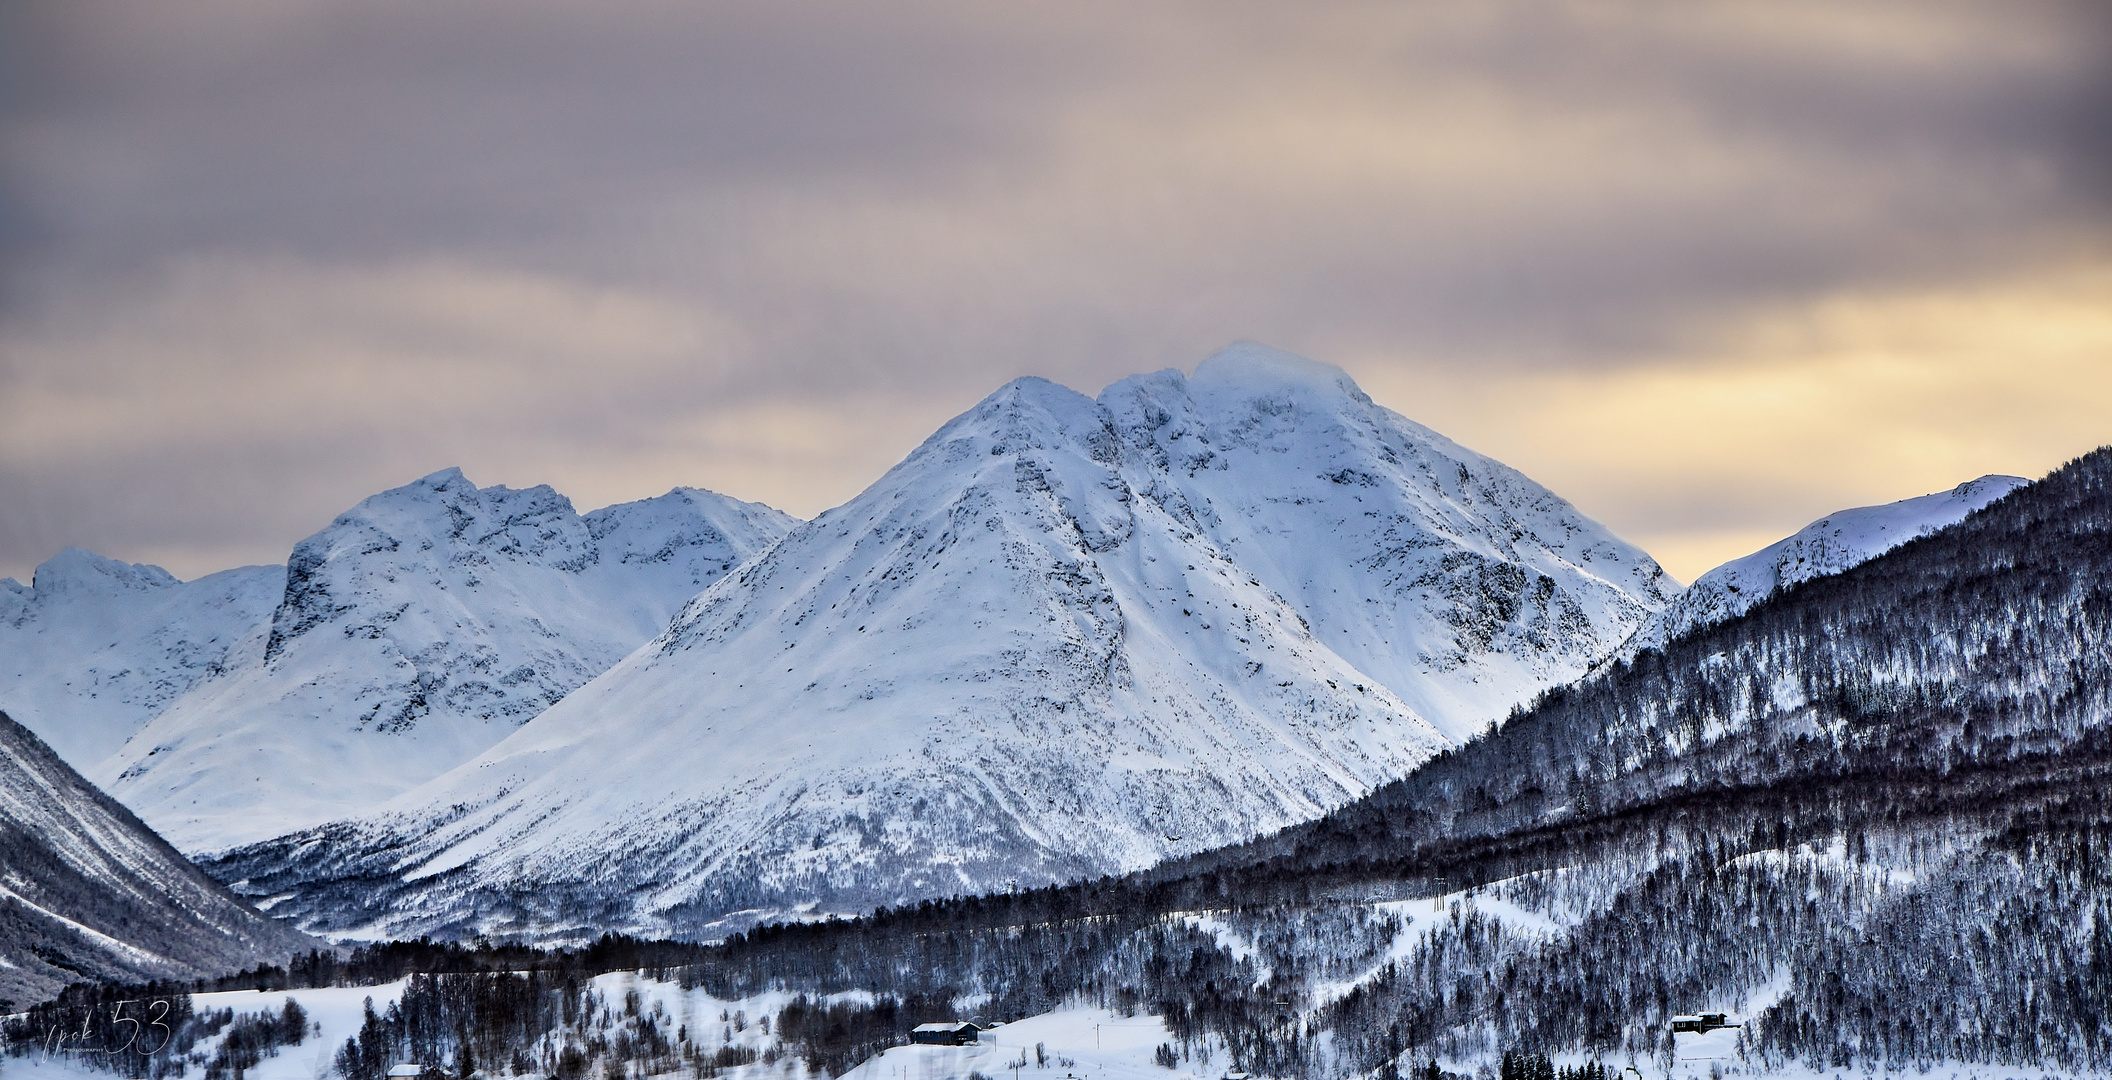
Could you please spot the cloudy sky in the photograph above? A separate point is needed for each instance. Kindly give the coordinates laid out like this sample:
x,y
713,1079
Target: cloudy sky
x,y
1708,270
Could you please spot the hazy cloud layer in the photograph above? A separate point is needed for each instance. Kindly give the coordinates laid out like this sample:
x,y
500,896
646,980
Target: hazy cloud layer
x,y
1708,269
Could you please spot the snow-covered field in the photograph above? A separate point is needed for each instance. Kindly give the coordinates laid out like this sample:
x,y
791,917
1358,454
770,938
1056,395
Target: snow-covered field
x,y
1074,1043
1085,1043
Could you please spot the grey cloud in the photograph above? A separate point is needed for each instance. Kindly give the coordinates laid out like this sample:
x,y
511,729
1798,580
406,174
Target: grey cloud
x,y
842,203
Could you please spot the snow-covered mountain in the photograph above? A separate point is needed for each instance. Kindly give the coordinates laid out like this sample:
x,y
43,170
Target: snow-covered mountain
x,y
1826,546
417,629
1063,637
87,892
1446,576
94,648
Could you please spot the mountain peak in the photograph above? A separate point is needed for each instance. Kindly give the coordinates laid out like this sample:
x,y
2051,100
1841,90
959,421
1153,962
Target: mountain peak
x,y
414,630
75,568
1253,365
1064,637
1985,489
445,478
1026,413
1032,393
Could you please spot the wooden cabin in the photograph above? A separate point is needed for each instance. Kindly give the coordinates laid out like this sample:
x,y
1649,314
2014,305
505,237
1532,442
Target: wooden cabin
x,y
950,1033
1701,1023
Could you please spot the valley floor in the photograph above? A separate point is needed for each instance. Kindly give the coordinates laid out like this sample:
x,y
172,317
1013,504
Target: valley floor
x,y
1079,1043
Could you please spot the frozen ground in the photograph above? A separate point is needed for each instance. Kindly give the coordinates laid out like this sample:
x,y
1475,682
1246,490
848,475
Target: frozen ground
x,y
1420,915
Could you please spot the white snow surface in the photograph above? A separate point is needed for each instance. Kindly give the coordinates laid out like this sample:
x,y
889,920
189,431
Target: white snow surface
x,y
1063,637
1096,1043
94,648
1829,545
416,630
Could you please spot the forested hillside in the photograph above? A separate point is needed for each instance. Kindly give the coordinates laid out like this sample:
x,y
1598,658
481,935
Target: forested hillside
x,y
1870,815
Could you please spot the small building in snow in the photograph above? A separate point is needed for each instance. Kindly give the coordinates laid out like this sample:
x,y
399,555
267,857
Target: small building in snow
x,y
950,1033
1701,1023
411,1070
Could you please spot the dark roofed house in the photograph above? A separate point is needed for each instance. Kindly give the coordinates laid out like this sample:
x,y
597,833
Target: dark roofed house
x,y
950,1033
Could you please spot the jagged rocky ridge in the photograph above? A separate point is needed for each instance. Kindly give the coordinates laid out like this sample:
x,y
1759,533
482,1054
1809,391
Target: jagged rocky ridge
x,y
88,892
1063,638
94,648
419,628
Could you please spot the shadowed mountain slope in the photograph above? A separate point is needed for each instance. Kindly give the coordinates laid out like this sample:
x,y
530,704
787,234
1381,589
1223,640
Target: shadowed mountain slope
x,y
88,892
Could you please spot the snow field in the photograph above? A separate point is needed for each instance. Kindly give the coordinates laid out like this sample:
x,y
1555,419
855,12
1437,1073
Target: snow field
x,y
1082,1043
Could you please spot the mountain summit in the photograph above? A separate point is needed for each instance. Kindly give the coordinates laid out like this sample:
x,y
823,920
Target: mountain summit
x,y
1063,637
94,648
420,627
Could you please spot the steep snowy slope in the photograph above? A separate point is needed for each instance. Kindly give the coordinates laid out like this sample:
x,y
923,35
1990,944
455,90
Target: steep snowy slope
x,y
1448,577
87,892
1062,638
94,648
419,628
1826,546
